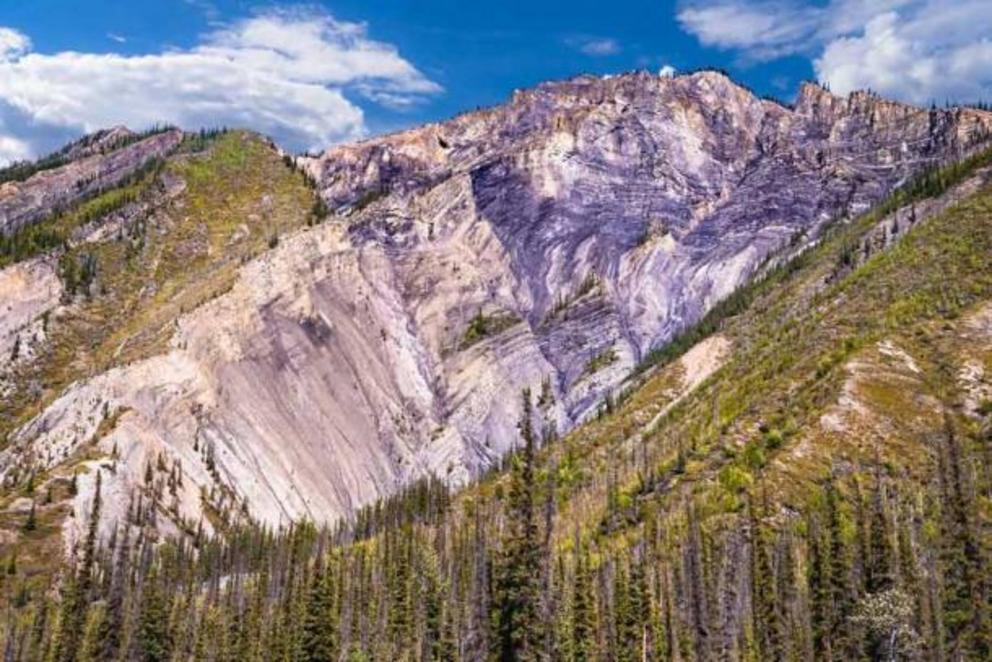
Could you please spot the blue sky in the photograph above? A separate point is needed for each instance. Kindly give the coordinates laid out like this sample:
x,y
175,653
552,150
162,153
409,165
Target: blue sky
x,y
318,73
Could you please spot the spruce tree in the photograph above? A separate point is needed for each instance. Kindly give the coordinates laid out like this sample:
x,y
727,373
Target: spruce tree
x,y
880,571
77,592
583,611
40,637
154,642
113,622
838,580
432,604
769,627
965,608
624,631
477,639
446,648
517,590
320,628
31,523
635,627
398,567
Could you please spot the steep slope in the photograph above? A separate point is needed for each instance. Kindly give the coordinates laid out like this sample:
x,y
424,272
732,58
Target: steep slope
x,y
606,214
108,305
810,480
551,243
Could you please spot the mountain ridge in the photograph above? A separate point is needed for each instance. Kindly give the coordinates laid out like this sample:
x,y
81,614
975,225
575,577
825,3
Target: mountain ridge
x,y
610,214
808,481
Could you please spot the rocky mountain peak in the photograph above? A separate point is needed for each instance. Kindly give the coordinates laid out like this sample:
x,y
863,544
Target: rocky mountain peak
x,y
101,141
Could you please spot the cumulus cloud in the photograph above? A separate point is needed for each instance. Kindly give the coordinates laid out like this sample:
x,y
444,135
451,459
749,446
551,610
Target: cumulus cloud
x,y
284,73
765,30
916,50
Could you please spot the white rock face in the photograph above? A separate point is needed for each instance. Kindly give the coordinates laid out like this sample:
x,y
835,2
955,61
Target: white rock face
x,y
27,291
587,222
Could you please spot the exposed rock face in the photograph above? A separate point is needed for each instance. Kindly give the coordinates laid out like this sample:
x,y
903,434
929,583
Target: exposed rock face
x,y
27,291
607,214
90,170
548,244
670,191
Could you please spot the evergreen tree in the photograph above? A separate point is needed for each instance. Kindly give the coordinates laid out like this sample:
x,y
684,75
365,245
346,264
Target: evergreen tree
x,y
113,623
694,570
517,590
880,575
477,640
154,641
769,627
247,643
398,566
433,608
965,607
320,628
838,576
583,611
635,628
77,593
31,523
446,648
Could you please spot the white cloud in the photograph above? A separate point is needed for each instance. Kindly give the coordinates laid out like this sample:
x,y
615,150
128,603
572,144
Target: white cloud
x,y
667,71
932,54
915,50
594,46
282,73
13,44
765,29
13,149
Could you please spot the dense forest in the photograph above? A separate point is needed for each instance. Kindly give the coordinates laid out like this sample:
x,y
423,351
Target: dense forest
x,y
866,574
729,526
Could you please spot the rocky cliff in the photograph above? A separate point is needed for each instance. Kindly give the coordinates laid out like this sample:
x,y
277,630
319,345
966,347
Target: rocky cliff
x,y
548,244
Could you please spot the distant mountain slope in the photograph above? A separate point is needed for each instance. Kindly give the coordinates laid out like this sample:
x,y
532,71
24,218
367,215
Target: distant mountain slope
x,y
607,214
199,322
83,169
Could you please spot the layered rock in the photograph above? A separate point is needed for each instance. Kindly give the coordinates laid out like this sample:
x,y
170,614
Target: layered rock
x,y
623,208
548,244
94,165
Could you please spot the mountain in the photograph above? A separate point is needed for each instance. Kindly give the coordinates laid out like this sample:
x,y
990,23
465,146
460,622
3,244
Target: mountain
x,y
284,339
798,470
